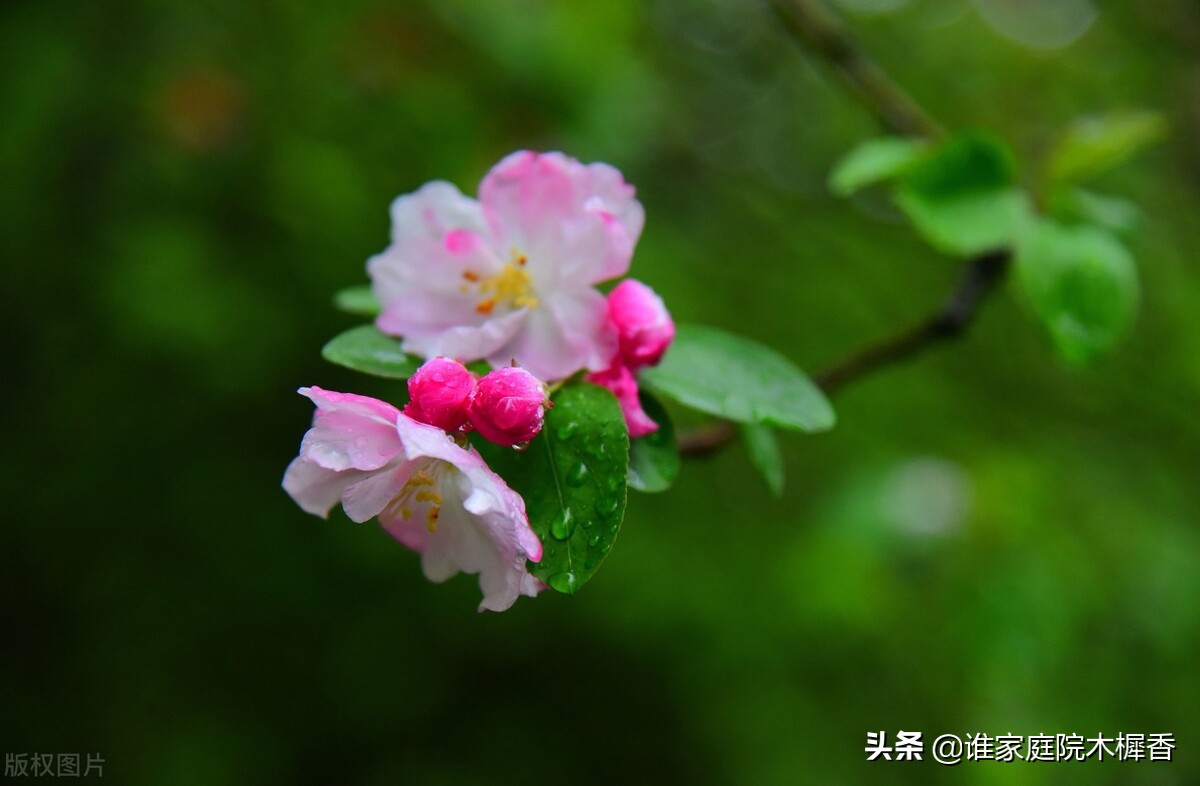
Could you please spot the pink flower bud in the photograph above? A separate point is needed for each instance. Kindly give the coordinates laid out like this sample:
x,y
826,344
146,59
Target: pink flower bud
x,y
623,384
508,406
644,328
439,394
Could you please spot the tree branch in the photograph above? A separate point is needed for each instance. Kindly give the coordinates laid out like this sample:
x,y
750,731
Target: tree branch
x,y
950,321
824,35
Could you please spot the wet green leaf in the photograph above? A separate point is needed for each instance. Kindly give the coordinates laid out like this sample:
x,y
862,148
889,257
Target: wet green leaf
x,y
874,161
962,199
359,300
733,377
763,449
573,480
1095,144
367,350
1076,205
654,458
1083,285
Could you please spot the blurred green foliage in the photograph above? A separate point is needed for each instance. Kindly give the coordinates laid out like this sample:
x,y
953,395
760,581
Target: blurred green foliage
x,y
988,541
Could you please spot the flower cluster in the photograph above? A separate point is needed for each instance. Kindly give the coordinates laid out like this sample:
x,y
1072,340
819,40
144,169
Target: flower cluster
x,y
509,279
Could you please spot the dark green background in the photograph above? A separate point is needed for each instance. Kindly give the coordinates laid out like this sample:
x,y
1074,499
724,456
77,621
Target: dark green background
x,y
186,184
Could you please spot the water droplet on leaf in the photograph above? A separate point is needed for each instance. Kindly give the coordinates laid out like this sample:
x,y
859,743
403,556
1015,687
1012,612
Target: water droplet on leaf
x,y
577,474
565,582
606,506
563,526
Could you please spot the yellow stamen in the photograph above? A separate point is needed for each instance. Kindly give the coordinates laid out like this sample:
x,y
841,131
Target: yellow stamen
x,y
431,519
511,287
418,494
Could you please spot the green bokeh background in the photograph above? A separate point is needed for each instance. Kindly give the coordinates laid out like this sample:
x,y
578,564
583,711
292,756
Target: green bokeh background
x,y
988,542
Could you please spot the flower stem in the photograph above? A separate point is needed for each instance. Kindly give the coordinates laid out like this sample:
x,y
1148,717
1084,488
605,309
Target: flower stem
x,y
824,35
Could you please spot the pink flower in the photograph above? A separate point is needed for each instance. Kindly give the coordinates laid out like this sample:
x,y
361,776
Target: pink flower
x,y
439,394
621,381
435,497
644,327
509,406
510,277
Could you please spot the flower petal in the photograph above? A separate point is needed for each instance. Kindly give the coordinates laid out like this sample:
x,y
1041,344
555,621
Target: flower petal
x,y
623,384
365,406
566,333
440,246
432,211
483,527
351,436
466,342
575,222
366,498
346,440
313,487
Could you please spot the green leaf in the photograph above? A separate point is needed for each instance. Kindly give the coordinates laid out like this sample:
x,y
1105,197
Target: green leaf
x,y
1095,144
763,449
739,379
654,458
1075,205
874,161
961,198
1083,285
572,478
367,350
359,301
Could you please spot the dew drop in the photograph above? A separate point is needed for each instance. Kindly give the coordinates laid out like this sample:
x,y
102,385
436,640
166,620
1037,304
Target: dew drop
x,y
564,582
521,447
577,474
606,506
567,430
563,526
593,539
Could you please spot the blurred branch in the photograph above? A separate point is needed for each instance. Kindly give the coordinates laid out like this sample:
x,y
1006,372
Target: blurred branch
x,y
816,29
824,35
950,321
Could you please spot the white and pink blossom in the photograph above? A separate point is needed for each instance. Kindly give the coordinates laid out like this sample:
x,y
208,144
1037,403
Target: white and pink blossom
x,y
510,276
430,493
